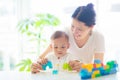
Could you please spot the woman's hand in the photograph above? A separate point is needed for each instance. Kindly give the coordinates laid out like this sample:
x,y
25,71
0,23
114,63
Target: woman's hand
x,y
36,67
75,65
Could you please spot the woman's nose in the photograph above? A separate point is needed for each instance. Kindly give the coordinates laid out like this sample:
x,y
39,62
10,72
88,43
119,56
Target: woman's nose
x,y
75,30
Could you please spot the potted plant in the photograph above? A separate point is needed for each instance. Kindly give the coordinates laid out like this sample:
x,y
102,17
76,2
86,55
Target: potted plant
x,y
33,28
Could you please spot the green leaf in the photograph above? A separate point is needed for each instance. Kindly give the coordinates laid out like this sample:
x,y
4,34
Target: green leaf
x,y
24,65
28,69
22,68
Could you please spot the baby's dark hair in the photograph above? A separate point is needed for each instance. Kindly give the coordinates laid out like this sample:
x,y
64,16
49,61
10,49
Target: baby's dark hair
x,y
85,14
58,34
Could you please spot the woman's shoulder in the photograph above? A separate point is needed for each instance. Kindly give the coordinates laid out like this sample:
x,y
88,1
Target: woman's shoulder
x,y
97,34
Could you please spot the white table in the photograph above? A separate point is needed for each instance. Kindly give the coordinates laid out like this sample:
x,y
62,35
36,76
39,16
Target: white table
x,y
13,75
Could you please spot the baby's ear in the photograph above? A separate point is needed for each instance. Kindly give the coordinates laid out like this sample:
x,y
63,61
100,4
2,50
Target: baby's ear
x,y
50,45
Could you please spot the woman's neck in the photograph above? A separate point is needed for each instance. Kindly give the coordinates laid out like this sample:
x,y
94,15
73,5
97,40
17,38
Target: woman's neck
x,y
82,42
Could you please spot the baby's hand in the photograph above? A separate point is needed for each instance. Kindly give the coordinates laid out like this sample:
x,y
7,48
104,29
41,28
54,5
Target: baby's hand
x,y
35,68
43,61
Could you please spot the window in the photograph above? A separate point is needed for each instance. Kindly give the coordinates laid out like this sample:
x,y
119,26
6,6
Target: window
x,y
8,34
14,46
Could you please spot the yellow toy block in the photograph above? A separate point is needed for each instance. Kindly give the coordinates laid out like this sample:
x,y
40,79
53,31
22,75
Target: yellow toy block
x,y
98,65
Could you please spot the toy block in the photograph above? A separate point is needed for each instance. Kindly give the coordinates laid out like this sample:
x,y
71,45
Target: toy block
x,y
49,64
94,69
85,74
97,61
98,65
106,67
96,72
97,75
98,69
66,66
89,67
54,72
94,65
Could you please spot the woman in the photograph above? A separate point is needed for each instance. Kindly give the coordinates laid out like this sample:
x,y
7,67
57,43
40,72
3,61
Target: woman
x,y
86,44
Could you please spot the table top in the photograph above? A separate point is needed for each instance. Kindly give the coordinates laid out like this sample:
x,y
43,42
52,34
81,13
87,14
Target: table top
x,y
14,75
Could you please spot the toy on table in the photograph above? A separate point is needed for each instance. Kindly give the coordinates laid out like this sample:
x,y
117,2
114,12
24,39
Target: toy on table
x,y
66,66
98,69
56,69
54,72
49,64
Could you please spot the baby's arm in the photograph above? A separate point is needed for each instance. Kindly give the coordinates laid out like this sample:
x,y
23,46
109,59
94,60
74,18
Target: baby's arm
x,y
44,61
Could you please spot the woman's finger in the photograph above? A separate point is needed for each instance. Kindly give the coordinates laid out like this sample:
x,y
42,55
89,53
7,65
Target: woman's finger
x,y
72,63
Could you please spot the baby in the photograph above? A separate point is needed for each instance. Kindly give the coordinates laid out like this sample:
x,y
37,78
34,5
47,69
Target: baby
x,y
59,45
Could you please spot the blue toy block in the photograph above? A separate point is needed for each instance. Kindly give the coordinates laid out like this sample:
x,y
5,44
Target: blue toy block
x,y
55,72
97,61
94,69
113,71
101,68
115,65
49,64
85,74
102,72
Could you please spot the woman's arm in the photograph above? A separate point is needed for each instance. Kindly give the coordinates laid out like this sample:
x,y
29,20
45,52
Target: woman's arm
x,y
99,56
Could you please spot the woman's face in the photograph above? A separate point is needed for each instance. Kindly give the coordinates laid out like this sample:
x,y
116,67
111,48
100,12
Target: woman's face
x,y
80,30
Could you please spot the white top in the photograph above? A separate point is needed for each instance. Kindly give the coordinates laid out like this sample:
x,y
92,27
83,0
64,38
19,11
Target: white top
x,y
95,44
58,63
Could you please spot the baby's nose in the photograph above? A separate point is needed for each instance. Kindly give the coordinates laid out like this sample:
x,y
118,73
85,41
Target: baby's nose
x,y
59,49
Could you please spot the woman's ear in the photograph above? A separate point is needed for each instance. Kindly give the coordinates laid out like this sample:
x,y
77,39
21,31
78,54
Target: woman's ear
x,y
91,27
68,45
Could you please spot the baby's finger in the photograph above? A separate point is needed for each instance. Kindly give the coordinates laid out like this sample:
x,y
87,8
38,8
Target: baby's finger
x,y
35,71
39,61
36,66
44,61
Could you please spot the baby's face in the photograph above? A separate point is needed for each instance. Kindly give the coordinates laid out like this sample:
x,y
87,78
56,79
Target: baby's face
x,y
60,46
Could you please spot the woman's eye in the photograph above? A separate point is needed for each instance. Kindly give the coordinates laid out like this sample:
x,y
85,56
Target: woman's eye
x,y
72,26
63,46
80,29
55,47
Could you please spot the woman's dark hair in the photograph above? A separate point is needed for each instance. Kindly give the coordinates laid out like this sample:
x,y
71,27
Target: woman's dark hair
x,y
85,14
